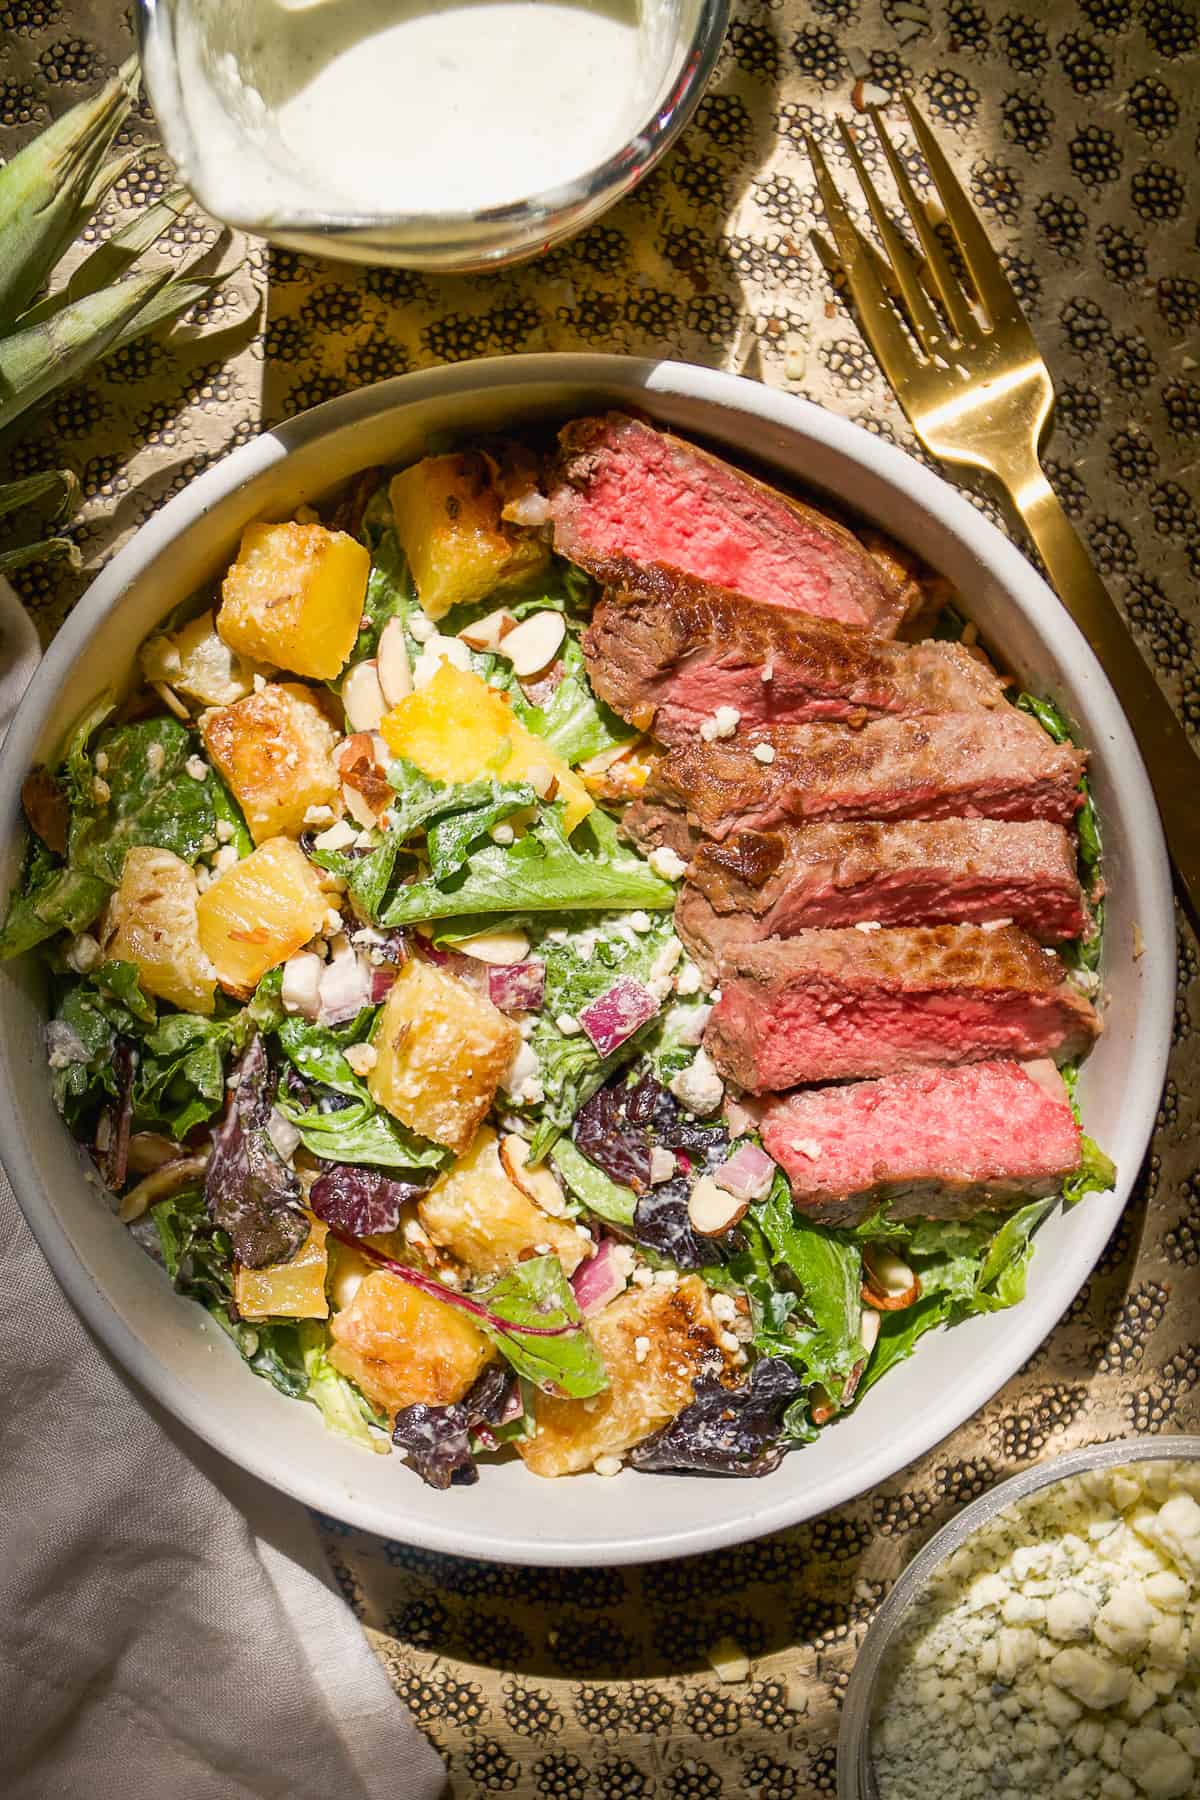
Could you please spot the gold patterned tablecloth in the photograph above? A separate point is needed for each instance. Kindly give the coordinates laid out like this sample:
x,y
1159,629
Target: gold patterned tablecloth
x,y
1076,126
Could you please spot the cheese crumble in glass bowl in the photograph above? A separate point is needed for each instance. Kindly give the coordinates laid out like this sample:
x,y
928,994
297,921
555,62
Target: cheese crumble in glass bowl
x,y
1044,1642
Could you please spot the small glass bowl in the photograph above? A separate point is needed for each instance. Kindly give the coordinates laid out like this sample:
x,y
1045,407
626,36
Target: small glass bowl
x,y
855,1774
466,241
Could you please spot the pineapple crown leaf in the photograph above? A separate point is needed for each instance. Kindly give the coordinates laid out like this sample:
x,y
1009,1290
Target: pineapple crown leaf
x,y
48,189
61,482
42,551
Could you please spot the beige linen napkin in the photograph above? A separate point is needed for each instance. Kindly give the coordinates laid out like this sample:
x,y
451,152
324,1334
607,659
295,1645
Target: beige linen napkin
x,y
168,1630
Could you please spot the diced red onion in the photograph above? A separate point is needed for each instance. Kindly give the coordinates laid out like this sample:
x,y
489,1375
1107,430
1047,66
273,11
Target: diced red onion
x,y
623,1009
598,1280
517,987
747,1174
383,980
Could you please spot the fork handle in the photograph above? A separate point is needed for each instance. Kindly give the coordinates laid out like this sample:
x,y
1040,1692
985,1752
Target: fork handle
x,y
1171,761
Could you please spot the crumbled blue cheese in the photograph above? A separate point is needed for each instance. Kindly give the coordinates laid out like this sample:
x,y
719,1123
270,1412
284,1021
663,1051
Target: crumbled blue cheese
x,y
667,863
1055,1652
723,723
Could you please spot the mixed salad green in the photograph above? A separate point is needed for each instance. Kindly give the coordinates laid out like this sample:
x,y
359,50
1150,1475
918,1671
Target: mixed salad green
x,y
218,1131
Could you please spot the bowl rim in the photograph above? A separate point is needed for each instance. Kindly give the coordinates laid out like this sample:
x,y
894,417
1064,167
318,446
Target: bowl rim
x,y
853,1745
795,418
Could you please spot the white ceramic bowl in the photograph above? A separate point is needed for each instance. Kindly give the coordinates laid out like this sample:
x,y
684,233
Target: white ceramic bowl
x,y
170,1346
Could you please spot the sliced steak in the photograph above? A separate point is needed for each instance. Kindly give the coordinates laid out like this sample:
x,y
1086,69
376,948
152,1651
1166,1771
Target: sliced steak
x,y
997,765
628,496
920,872
665,651
940,1143
838,1005
651,825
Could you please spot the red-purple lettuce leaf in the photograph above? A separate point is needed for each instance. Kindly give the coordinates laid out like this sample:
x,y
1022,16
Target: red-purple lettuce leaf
x,y
436,1440
251,1192
361,1200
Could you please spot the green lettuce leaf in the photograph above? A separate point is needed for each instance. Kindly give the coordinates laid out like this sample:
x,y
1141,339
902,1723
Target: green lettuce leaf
x,y
570,1067
537,1293
180,1079
448,840
598,1192
1083,953
151,801
1097,1173
318,1051
390,594
360,1133
807,1301
344,1409
49,897
573,721
543,871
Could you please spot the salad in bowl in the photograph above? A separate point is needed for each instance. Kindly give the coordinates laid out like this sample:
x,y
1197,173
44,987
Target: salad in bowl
x,y
570,954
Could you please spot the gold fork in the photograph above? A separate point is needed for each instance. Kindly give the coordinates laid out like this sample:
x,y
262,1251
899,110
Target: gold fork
x,y
978,394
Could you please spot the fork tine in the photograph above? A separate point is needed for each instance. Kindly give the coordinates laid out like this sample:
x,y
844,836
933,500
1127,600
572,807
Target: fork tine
x,y
991,283
926,324
868,289
948,285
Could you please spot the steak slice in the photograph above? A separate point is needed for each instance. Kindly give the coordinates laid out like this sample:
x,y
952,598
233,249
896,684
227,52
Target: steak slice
x,y
838,1005
666,651
936,1144
998,765
919,872
627,496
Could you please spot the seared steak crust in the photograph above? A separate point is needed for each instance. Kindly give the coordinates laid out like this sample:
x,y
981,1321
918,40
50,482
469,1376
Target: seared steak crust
x,y
939,1143
918,872
628,496
997,764
839,1005
665,651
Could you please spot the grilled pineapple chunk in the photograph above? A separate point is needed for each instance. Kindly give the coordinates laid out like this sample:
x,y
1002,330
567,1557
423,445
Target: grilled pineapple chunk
x,y
294,597
447,516
403,1347
289,1290
275,750
682,1333
456,729
260,912
151,921
476,1213
197,662
440,1051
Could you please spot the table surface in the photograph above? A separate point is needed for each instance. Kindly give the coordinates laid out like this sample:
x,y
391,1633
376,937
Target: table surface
x,y
1076,129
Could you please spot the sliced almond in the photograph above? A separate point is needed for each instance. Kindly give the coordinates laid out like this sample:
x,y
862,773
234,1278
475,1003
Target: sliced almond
x,y
356,805
391,657
542,780
868,1328
604,759
339,836
486,633
363,697
885,1271
538,1185
533,645
712,1210
171,700
498,947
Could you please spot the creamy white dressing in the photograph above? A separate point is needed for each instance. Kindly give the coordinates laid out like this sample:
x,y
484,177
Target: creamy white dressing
x,y
392,107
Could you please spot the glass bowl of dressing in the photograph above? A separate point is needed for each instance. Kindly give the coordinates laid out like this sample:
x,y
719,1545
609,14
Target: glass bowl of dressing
x,y
923,1629
428,134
